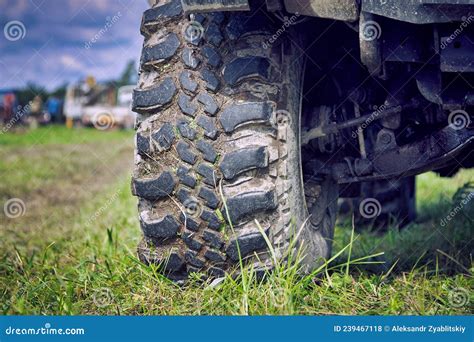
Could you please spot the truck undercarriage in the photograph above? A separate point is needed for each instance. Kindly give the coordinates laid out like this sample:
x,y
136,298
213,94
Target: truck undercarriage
x,y
400,79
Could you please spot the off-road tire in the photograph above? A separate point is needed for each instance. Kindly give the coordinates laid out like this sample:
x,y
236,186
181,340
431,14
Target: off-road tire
x,y
217,144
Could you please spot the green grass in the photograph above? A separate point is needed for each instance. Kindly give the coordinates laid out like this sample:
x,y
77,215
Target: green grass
x,y
56,134
426,243
73,252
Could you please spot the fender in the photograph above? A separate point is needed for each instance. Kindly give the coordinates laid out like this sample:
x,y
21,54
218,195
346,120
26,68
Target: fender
x,y
419,12
345,10
191,6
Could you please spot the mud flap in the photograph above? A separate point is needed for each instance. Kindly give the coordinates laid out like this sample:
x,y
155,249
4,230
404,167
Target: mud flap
x,y
191,6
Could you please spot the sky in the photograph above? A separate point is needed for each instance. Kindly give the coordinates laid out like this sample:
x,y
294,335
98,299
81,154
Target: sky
x,y
51,42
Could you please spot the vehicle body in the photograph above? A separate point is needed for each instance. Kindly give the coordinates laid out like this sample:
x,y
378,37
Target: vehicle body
x,y
54,107
8,106
88,103
357,91
38,114
73,103
123,111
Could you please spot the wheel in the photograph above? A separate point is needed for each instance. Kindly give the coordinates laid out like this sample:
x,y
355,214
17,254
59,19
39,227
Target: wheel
x,y
392,202
218,144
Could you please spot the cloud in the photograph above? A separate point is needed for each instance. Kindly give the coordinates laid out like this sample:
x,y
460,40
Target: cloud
x,y
71,63
76,5
13,9
54,50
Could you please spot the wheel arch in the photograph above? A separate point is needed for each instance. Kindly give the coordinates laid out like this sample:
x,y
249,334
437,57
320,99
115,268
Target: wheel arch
x,y
345,10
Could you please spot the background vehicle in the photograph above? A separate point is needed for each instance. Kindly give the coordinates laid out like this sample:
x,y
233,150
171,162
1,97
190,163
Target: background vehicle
x,y
38,115
123,110
8,106
99,105
54,107
259,118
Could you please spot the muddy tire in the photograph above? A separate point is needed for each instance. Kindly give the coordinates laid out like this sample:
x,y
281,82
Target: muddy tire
x,y
217,143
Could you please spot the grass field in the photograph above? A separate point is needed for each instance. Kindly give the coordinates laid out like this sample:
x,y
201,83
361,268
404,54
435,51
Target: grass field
x,y
73,249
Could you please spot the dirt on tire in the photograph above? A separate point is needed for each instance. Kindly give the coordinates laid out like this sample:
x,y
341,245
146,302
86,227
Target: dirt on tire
x,y
217,141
